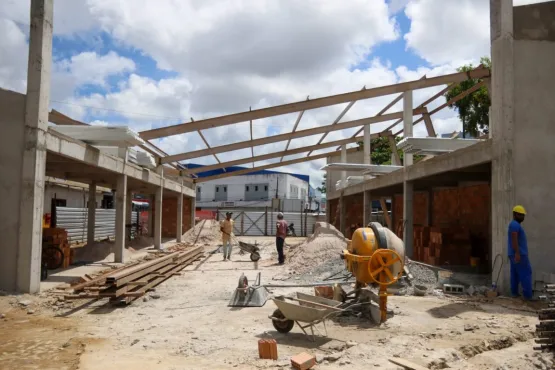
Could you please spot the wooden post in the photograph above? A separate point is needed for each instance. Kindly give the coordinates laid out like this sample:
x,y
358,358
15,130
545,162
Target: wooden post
x,y
383,204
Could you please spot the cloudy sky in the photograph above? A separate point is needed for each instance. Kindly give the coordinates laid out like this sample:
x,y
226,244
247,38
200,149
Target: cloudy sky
x,y
149,64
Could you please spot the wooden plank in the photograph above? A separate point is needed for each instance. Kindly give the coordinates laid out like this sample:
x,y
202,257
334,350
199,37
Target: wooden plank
x,y
286,136
286,153
312,104
100,279
273,165
386,214
407,364
394,151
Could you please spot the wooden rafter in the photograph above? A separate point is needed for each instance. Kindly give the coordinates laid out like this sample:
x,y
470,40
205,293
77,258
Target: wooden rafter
x,y
313,104
299,117
286,136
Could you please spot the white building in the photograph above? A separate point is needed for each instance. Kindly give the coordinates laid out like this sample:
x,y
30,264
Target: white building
x,y
255,190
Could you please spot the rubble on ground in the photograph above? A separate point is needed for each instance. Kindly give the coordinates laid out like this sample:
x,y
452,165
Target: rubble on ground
x,y
204,233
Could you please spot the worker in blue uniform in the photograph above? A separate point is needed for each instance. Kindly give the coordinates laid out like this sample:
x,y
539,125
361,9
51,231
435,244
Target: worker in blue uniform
x,y
521,270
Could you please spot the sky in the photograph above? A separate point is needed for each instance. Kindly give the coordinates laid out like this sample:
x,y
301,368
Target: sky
x,y
149,64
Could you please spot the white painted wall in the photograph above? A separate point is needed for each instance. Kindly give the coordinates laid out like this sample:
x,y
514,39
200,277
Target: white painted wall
x,y
236,188
75,198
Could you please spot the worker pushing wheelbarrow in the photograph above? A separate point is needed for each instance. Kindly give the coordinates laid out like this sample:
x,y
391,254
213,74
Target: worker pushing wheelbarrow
x,y
226,227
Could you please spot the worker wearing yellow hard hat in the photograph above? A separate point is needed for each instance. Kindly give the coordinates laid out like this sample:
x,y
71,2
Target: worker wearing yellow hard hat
x,y
521,270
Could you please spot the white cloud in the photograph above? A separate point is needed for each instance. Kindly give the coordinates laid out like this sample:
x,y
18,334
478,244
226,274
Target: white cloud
x,y
14,52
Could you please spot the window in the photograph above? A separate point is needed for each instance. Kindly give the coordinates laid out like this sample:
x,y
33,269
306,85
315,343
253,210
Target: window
x,y
256,188
198,190
266,188
217,189
225,189
247,188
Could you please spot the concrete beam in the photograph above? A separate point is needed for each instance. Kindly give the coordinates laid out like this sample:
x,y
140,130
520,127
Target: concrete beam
x,y
287,136
311,104
81,152
407,124
34,152
179,230
121,205
367,208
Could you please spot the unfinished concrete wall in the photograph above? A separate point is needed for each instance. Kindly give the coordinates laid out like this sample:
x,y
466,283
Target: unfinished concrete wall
x,y
169,216
12,125
534,128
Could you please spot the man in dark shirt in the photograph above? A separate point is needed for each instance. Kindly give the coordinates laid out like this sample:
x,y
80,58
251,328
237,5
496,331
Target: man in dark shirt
x,y
281,234
521,270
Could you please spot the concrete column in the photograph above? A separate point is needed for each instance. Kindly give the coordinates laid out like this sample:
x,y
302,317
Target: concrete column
x,y
367,213
341,206
193,207
408,235
502,128
158,196
34,148
367,149
407,123
121,205
128,213
344,160
179,223
151,216
91,216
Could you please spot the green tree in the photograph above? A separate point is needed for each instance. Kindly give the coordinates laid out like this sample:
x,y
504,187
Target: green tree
x,y
381,150
473,109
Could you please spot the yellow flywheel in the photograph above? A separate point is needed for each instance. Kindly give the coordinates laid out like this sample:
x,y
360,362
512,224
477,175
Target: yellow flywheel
x,y
380,266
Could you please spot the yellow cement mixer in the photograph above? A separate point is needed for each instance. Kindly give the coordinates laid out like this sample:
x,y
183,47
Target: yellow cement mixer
x,y
375,256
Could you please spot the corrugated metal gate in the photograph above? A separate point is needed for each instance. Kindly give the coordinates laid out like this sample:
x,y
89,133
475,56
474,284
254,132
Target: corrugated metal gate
x,y
264,223
74,220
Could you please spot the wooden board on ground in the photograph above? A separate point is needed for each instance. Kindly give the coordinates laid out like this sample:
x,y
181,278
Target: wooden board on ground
x,y
407,364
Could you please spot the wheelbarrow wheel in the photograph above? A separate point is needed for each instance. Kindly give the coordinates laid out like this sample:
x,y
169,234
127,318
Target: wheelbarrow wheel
x,y
282,326
255,257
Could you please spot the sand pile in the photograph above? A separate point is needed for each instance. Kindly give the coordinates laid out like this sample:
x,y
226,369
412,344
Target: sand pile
x,y
326,244
205,232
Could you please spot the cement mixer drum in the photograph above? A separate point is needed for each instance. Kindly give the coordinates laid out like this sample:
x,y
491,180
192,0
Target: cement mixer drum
x,y
375,255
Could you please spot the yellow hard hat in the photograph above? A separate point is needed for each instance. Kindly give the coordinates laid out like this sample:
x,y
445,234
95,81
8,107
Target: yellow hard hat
x,y
519,209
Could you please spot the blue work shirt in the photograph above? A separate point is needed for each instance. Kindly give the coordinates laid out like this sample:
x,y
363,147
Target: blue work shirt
x,y
515,227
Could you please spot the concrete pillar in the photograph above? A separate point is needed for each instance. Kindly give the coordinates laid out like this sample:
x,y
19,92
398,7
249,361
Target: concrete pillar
x,y
502,127
343,160
150,224
407,123
193,207
341,206
367,213
91,216
34,148
158,196
408,235
121,205
128,213
367,148
179,223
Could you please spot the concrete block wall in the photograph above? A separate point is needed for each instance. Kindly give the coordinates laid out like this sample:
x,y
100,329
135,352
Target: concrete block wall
x,y
169,216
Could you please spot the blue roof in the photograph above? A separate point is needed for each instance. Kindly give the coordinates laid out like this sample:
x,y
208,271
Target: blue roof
x,y
220,171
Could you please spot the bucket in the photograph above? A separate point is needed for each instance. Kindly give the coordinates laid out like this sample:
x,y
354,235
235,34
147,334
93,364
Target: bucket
x,y
474,261
420,290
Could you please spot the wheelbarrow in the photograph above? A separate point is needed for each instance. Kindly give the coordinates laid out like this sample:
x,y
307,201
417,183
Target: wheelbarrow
x,y
250,248
305,310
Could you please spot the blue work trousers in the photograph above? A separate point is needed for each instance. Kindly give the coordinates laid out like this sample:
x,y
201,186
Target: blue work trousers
x,y
521,273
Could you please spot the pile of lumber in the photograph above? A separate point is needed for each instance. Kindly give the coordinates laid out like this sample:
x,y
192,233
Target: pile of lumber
x,y
59,238
545,330
128,283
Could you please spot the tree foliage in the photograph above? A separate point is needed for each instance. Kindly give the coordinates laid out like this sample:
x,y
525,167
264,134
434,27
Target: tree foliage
x,y
473,109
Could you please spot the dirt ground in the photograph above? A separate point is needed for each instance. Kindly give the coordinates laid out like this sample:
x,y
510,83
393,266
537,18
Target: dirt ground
x,y
186,324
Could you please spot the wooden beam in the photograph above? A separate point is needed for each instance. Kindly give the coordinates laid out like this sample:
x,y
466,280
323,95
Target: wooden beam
x,y
451,101
345,110
285,153
383,205
282,137
385,109
429,125
394,151
208,145
182,128
273,165
299,117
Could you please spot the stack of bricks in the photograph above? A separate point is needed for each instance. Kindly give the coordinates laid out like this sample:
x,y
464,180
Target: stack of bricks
x,y
449,246
421,241
267,349
58,237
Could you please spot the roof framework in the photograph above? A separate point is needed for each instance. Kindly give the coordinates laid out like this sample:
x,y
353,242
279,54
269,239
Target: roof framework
x,y
301,107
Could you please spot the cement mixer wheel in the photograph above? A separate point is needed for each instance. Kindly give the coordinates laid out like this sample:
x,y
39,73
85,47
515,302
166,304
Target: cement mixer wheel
x,y
384,259
282,326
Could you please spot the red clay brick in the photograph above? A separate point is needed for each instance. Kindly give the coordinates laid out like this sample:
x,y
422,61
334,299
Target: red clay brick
x,y
303,361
